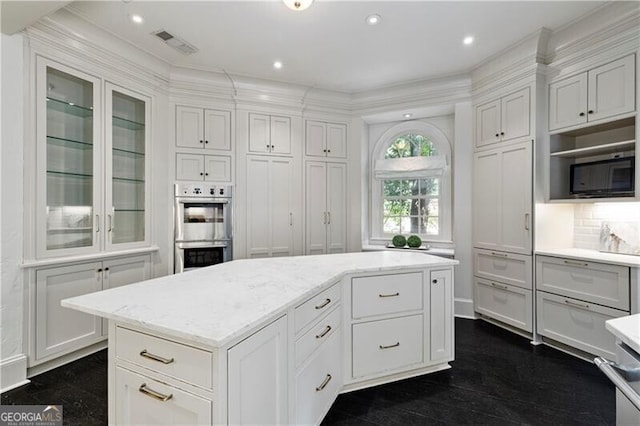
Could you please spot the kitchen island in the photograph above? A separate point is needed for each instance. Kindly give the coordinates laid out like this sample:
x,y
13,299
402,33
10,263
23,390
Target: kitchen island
x,y
272,340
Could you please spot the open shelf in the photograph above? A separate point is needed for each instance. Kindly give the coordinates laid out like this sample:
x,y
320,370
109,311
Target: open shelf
x,y
127,124
608,148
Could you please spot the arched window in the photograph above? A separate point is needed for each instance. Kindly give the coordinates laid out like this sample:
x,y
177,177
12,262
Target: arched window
x,y
412,183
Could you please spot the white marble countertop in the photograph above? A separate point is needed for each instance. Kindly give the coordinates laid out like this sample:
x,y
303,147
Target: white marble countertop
x,y
626,329
215,305
594,256
433,250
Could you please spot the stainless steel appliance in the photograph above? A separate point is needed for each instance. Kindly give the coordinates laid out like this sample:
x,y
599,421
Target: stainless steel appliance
x,y
625,374
203,228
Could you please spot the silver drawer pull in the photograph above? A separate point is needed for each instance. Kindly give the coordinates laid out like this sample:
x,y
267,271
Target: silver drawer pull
x,y
493,253
389,295
324,383
153,357
390,346
581,305
325,303
153,394
324,332
504,287
574,263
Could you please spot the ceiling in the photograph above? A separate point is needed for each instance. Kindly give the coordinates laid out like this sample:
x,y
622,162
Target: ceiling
x,y
330,45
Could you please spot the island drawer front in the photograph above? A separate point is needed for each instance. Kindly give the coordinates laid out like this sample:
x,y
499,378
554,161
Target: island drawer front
x,y
139,401
319,382
576,323
316,306
593,282
506,303
318,334
180,361
508,268
386,345
386,294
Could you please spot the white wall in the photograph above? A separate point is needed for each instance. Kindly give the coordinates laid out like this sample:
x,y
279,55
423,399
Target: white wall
x,y
12,358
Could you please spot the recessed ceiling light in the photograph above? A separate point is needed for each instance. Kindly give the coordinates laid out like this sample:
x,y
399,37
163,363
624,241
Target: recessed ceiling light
x,y
374,19
137,19
297,4
277,65
468,40
407,115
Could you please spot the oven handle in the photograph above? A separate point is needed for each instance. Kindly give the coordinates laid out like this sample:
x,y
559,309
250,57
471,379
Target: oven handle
x,y
203,200
201,244
609,369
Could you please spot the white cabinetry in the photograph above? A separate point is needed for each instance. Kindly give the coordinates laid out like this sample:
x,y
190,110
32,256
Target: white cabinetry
x,y
575,298
60,330
208,168
326,207
504,119
325,139
269,134
203,128
593,96
92,166
257,377
269,206
502,199
441,338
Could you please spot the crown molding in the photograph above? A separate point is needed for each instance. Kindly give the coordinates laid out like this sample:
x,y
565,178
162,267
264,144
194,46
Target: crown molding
x,y
52,38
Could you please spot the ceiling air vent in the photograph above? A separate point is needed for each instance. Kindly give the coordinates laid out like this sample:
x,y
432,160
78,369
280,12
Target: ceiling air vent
x,y
175,42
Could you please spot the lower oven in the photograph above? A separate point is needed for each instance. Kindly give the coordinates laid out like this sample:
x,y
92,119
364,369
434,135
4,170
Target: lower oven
x,y
625,375
194,255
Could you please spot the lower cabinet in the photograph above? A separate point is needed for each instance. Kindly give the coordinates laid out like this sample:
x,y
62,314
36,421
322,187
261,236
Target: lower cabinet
x,y
59,330
508,304
257,377
318,383
141,400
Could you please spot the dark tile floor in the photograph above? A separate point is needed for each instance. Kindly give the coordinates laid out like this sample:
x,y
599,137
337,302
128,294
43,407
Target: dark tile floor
x,y
498,378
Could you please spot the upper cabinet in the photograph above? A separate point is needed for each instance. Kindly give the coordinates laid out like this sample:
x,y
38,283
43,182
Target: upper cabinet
x,y
325,139
504,119
91,189
269,134
593,96
203,128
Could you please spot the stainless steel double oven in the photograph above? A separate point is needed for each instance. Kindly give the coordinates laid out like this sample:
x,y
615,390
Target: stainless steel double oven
x,y
203,228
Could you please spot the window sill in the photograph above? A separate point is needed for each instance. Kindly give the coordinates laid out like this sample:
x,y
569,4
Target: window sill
x,y
436,251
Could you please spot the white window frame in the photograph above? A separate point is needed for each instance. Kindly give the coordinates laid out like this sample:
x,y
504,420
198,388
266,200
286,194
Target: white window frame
x,y
443,147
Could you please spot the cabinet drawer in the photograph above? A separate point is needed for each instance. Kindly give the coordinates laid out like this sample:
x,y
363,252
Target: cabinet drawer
x,y
386,294
576,323
182,362
319,382
143,401
508,304
508,268
599,283
316,306
317,335
385,345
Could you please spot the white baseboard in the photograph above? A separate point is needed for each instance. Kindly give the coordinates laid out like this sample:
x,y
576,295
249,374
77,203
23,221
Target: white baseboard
x,y
13,372
463,308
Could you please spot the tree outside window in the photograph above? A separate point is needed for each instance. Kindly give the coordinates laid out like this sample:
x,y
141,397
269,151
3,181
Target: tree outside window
x,y
411,206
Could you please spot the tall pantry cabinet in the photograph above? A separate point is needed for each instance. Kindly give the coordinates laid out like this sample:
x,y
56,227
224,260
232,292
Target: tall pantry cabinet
x,y
92,202
502,209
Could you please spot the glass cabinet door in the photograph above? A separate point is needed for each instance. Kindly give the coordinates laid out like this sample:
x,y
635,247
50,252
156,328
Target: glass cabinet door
x,y
127,133
68,135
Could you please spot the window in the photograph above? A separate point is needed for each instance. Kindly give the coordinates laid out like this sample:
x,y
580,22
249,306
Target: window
x,y
411,184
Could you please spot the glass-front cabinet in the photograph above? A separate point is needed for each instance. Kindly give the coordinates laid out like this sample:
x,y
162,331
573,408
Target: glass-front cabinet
x,y
92,163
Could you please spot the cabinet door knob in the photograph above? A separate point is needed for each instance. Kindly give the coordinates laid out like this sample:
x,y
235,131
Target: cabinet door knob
x,y
581,114
324,150
201,141
206,174
328,150
272,146
106,269
501,133
497,135
590,111
201,174
100,270
206,141
435,281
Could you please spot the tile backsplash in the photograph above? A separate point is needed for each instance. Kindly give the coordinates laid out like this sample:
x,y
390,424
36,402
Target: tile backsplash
x,y
588,220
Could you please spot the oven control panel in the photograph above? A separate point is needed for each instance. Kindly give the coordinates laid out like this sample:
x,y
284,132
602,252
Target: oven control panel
x,y
208,191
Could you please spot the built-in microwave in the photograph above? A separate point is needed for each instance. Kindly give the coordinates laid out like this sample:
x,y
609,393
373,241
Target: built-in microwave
x,y
607,178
